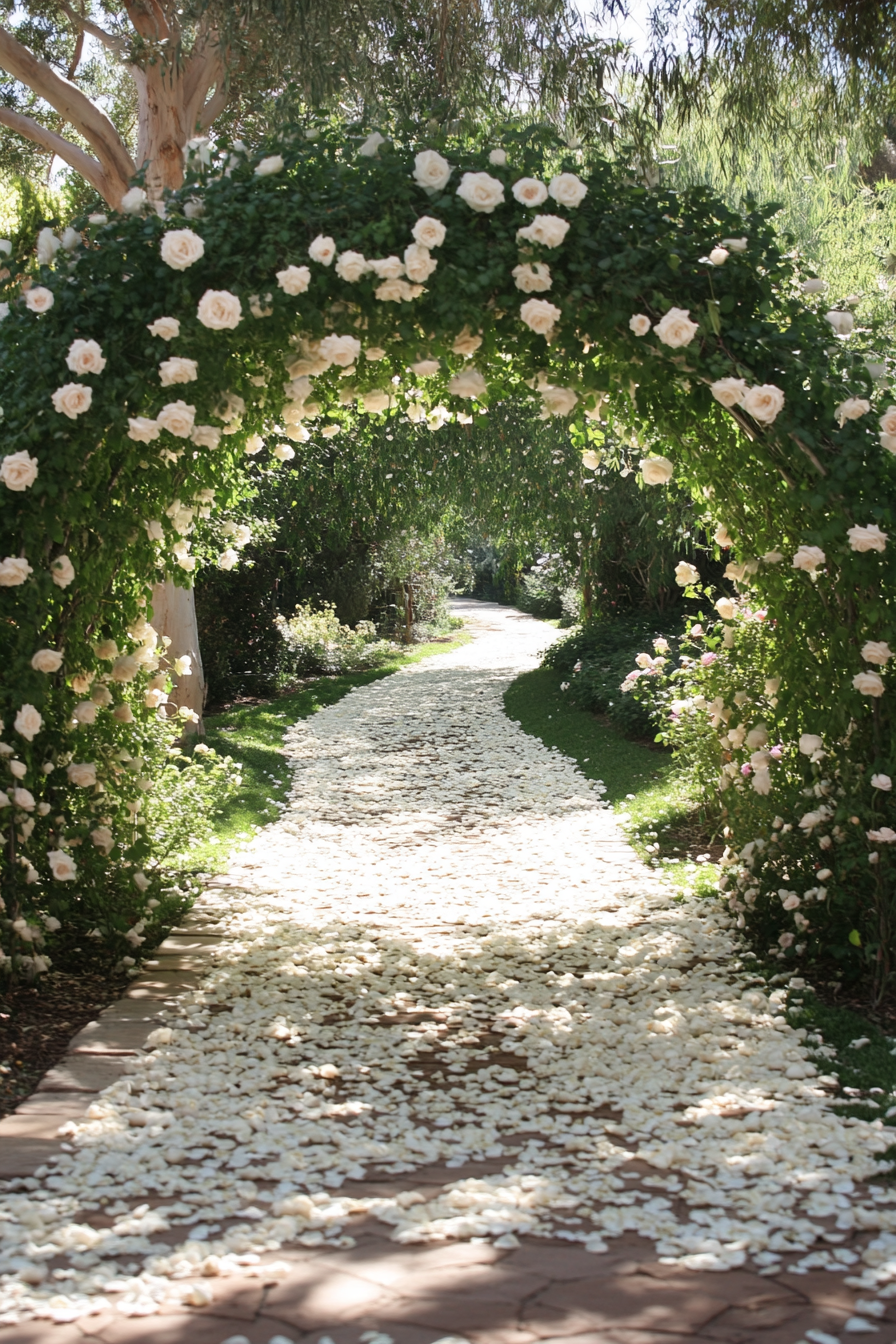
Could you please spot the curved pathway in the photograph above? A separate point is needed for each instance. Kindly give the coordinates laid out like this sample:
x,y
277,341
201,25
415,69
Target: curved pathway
x,y
440,1055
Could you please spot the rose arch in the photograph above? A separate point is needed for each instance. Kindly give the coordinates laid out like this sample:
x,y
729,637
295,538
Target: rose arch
x,y
284,294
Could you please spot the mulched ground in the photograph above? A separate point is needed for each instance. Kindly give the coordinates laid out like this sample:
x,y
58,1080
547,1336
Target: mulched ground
x,y
38,1021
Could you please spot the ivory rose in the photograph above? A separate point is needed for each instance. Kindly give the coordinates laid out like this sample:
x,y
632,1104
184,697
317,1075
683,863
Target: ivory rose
x,y
62,865
24,799
39,299
529,191
227,559
283,452
142,430
763,403
719,255
549,230
814,286
62,571
877,652
808,558
497,158
466,343
206,436
18,471
851,409
540,316
735,244
178,370
181,248
431,171
294,279
558,400
842,323
810,743
103,838
177,417
13,571
125,668
418,262
429,232
722,537
85,357
133,201
639,324
330,431
883,782
397,291
726,608
166,328
370,148
425,368
469,383
322,250
656,470
387,268
85,712
887,421
28,722
567,189
729,391
867,538
46,660
72,399
532,278
676,328
219,310
686,573
351,266
590,459
340,350
868,683
375,401
267,167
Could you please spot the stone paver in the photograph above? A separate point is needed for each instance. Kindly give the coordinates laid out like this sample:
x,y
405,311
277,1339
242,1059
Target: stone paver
x,y
457,860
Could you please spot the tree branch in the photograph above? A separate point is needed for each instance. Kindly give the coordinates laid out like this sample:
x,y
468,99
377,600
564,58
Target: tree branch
x,y
74,106
85,25
215,105
90,169
148,19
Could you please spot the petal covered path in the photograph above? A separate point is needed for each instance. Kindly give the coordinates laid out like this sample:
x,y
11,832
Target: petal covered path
x,y
439,1055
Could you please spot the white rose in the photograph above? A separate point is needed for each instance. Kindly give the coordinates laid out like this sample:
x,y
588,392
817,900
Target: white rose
x,y
371,145
425,368
868,683
142,430
13,571
719,255
206,436
340,350
254,444
18,471
125,668
267,167
178,370
469,383
39,299
177,417
259,307
532,278
842,323
227,559
726,609
103,838
567,189
231,408
62,571
590,459
762,780
24,799
429,232
867,538
28,722
418,262
62,865
194,208
851,409
107,649
722,537
549,230
133,201
808,558
46,660
540,316
467,344
881,782
887,421
676,328
322,250
241,535
529,191
814,286
387,268
764,403
877,652
330,431
497,158
773,557
72,400
431,171
183,665
735,244
82,774
181,248
85,357
85,712
686,574
283,452
375,401
294,279
397,291
557,400
639,324
656,470
219,310
729,391
351,266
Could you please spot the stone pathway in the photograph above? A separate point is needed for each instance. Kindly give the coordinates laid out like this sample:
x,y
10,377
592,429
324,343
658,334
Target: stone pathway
x,y
439,1056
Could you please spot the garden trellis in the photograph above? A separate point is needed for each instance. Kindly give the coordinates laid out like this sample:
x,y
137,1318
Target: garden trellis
x,y
281,295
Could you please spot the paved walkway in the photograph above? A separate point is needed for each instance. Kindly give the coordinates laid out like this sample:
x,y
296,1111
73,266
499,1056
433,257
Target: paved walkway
x,y
439,1056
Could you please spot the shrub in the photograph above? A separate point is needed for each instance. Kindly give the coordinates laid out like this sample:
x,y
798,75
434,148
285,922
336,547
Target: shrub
x,y
315,643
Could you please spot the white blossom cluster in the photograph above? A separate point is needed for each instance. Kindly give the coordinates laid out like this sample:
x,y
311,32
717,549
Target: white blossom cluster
x,y
444,954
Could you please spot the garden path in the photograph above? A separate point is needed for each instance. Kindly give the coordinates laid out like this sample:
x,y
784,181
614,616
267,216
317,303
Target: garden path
x,y
439,1055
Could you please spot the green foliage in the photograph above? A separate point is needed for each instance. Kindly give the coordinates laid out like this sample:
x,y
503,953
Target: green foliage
x,y
314,642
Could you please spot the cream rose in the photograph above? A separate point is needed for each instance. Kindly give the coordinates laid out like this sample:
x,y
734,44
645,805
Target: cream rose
x,y
429,232
62,571
557,400
567,189
142,430
46,660
13,571
206,436
72,399
283,452
178,370
28,722
85,357
466,343
529,191
125,668
719,255
726,608
62,865
371,145
340,350
676,328
763,403
177,417
639,324
387,268
322,250
103,838
39,299
842,323
397,291
375,401
425,368
532,277
418,263
540,316
549,230
133,201
810,743
227,559
729,392
18,471
851,409
85,712
656,470
887,421
497,157
735,244
181,248
24,799
330,431
219,310
686,574
808,558
166,328
294,279
351,266
722,537
590,459
431,171
469,383
877,652
267,167
868,683
867,538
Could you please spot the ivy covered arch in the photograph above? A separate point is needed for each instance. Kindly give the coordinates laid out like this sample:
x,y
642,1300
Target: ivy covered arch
x,y
282,295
